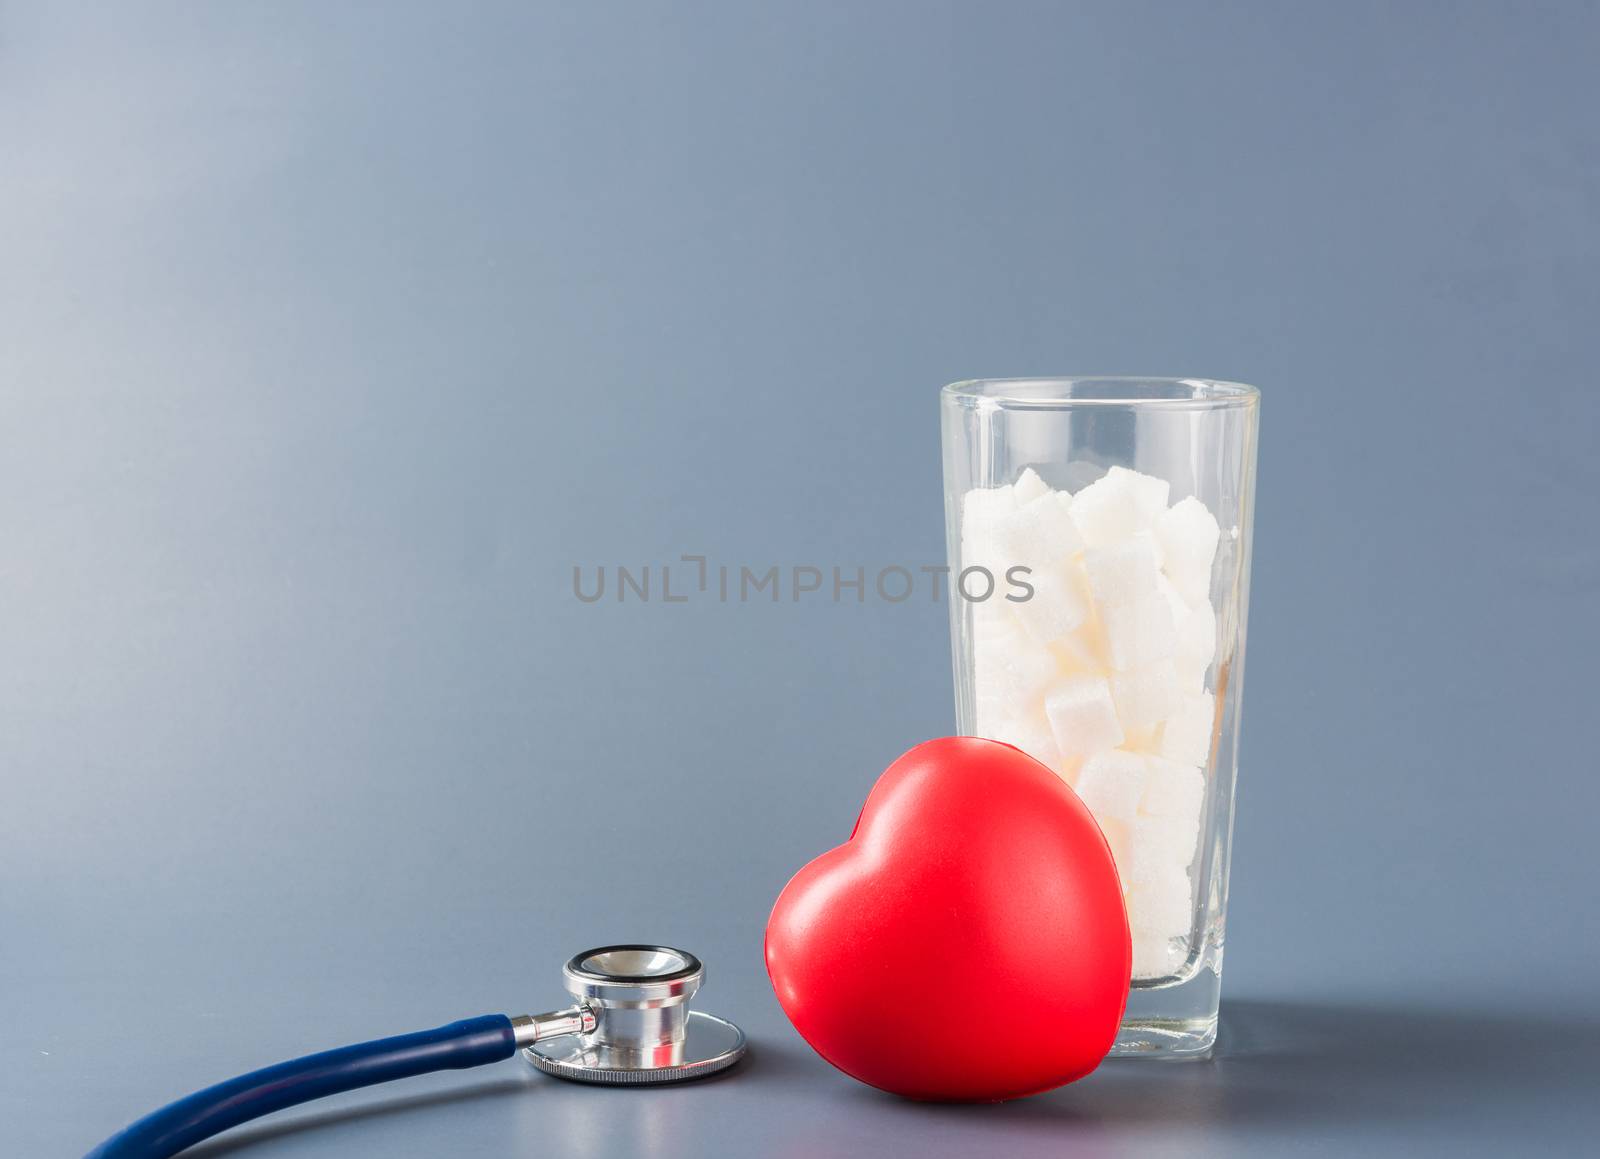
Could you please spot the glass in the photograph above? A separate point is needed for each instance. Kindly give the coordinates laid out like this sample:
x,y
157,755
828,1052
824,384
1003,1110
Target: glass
x,y
1099,541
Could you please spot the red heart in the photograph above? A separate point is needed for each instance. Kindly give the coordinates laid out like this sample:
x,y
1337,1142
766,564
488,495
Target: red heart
x,y
968,941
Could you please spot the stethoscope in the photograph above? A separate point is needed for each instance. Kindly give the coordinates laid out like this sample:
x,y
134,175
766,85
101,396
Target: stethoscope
x,y
630,1025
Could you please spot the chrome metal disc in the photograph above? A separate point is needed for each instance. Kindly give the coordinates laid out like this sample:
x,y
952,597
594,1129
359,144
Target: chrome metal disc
x,y
710,1045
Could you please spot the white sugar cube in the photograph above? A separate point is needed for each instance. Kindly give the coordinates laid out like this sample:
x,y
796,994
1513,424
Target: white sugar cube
x,y
1193,585
1158,844
1169,841
1008,665
1197,643
1112,784
1172,790
990,615
1037,534
1140,740
1162,905
1174,598
1186,734
982,511
985,504
978,550
1149,538
1188,534
1125,571
1146,696
1139,632
1157,957
1058,606
1026,730
1029,486
1148,493
1059,533
1082,716
1084,651
1118,504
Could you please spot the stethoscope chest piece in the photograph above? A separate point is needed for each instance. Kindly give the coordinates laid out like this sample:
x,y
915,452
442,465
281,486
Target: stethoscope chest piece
x,y
632,1024
709,1045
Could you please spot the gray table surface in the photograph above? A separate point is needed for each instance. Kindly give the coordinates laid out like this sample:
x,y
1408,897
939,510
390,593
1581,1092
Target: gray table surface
x,y
332,337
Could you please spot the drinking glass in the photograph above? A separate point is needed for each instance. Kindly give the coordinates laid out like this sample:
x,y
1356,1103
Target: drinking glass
x,y
1086,483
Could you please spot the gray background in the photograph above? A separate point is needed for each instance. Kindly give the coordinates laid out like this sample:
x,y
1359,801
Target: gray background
x,y
333,336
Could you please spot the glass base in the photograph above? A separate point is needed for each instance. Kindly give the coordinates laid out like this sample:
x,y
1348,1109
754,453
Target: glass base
x,y
1177,1020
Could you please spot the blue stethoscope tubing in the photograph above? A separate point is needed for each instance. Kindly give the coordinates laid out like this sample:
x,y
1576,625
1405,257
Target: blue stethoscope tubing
x,y
455,1046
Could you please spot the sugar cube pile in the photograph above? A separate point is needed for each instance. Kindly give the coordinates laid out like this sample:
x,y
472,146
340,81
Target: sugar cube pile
x,y
1102,674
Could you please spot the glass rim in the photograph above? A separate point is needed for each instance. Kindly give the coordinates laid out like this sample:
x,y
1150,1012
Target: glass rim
x,y
1056,392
